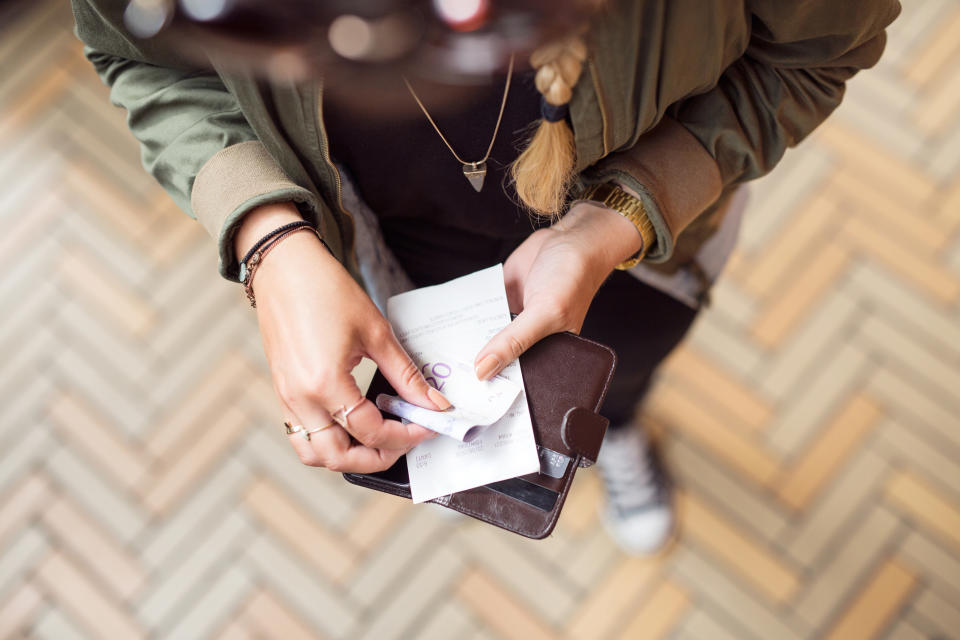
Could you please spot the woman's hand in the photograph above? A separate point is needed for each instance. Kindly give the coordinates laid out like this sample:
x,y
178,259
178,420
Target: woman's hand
x,y
316,324
552,277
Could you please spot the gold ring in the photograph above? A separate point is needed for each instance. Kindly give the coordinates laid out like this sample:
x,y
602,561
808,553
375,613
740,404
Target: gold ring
x,y
292,429
307,434
342,415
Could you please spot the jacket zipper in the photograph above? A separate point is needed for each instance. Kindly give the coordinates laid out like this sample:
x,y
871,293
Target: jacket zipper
x,y
601,100
349,252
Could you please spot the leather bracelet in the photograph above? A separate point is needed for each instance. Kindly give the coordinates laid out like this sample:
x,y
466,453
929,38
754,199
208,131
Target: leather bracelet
x,y
609,195
262,241
250,265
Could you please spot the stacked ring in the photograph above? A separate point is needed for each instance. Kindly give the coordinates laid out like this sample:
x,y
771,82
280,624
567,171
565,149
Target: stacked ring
x,y
307,434
292,429
342,415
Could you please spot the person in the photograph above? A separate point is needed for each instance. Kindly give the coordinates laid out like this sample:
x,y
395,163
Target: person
x,y
647,116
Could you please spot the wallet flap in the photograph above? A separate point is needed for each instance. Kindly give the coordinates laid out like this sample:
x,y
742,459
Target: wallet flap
x,y
582,431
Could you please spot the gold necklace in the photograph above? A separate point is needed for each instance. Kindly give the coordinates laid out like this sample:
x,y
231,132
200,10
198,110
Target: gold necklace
x,y
474,172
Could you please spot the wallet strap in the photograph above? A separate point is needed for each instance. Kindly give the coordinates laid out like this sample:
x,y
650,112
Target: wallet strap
x,y
582,431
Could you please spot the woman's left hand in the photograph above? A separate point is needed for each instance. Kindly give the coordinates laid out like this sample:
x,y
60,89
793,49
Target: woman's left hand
x,y
552,277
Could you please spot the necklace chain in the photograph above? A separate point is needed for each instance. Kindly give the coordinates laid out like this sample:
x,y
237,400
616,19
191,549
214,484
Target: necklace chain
x,y
496,129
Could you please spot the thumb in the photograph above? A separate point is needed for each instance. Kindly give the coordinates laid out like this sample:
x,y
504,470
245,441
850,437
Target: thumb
x,y
527,329
403,375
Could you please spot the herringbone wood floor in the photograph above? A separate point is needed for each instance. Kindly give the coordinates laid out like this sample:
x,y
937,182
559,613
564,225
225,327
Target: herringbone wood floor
x,y
812,420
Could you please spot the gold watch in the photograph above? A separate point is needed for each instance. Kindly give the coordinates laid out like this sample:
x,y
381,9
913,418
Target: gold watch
x,y
613,197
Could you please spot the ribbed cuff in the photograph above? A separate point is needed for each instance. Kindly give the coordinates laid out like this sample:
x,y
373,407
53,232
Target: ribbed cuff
x,y
674,176
663,248
233,182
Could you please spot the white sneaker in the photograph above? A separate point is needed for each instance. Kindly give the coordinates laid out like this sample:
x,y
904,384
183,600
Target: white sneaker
x,y
638,513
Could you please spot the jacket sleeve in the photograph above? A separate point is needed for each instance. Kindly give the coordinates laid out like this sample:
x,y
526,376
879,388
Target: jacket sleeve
x,y
193,136
790,78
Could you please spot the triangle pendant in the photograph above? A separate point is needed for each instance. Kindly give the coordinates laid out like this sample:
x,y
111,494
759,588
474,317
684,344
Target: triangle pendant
x,y
475,172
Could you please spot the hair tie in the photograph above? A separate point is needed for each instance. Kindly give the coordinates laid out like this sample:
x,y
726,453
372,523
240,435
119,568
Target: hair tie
x,y
553,112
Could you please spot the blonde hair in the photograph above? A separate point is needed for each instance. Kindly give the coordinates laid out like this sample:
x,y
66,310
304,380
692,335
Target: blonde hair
x,y
543,173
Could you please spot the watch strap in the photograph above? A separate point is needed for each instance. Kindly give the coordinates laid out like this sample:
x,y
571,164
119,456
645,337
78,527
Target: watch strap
x,y
611,196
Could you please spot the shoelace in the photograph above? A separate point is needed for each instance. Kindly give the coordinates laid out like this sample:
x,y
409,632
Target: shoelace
x,y
627,473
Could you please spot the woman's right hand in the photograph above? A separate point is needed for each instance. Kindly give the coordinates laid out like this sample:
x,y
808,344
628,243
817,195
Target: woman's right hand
x,y
316,324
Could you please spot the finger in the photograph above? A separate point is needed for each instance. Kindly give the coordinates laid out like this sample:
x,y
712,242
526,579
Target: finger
x,y
514,272
526,330
367,425
340,397
402,374
299,442
336,452
309,415
513,283
332,447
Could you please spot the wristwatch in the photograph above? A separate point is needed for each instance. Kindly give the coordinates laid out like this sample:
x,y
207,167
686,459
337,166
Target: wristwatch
x,y
611,196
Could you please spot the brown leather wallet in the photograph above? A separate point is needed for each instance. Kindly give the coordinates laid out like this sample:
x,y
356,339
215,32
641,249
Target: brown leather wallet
x,y
566,378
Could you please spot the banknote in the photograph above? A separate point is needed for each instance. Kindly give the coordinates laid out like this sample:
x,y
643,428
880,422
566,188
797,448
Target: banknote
x,y
476,403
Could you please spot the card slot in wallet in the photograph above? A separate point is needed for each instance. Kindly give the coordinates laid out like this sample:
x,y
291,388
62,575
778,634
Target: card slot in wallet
x,y
545,481
553,463
566,378
527,492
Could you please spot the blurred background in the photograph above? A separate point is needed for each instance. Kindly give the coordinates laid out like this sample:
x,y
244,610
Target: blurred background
x,y
812,420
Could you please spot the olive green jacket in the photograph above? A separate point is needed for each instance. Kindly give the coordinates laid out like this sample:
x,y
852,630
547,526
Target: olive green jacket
x,y
680,99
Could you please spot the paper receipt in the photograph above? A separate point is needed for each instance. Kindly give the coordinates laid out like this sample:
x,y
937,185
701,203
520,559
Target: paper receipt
x,y
449,323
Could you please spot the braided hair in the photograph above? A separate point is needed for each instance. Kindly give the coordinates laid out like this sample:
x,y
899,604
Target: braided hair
x,y
543,173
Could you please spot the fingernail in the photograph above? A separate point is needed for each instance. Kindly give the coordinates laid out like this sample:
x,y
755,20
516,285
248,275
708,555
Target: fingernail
x,y
487,367
438,399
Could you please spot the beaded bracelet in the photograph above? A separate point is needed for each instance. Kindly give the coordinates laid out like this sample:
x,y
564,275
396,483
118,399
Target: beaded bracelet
x,y
254,258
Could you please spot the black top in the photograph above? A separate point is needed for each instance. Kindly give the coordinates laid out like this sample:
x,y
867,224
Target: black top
x,y
414,184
